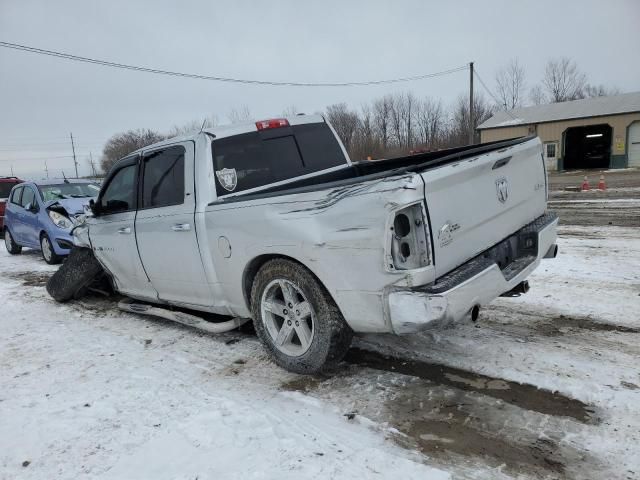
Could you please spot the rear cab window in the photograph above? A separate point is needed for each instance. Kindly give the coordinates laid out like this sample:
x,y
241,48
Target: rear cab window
x,y
5,189
257,159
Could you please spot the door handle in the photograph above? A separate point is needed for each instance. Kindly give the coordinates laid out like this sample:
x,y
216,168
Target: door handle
x,y
124,230
181,227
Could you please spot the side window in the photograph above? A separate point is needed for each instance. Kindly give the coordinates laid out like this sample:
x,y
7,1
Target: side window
x,y
163,178
120,194
28,197
15,196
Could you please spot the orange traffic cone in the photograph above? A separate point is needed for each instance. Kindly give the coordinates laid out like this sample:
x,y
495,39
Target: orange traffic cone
x,y
585,184
601,184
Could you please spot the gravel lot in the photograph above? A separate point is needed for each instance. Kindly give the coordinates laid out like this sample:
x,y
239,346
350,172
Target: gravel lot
x,y
546,385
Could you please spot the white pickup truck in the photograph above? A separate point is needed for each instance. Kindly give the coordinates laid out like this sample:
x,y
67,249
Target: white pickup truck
x,y
272,221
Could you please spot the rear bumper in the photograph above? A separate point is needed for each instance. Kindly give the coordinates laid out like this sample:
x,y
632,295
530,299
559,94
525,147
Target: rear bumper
x,y
477,282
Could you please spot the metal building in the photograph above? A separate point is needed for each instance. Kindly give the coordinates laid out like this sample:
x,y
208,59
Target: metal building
x,y
599,132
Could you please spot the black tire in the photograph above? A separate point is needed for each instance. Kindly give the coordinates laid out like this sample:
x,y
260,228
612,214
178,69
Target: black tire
x,y
78,272
48,253
12,247
331,336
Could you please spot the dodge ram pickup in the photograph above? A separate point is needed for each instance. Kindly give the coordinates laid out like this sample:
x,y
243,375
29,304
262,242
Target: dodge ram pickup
x,y
272,221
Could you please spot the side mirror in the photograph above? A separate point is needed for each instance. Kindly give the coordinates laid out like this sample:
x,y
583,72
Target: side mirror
x,y
31,207
94,207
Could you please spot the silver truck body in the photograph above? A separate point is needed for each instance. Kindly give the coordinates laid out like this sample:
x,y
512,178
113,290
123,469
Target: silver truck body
x,y
477,228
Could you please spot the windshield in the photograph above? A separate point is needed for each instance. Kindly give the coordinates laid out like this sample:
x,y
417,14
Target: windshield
x,y
68,190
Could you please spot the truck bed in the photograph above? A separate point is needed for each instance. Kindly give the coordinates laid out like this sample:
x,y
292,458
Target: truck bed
x,y
371,170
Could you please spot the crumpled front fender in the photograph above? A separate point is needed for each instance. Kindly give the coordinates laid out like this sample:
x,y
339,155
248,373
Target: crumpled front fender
x,y
80,235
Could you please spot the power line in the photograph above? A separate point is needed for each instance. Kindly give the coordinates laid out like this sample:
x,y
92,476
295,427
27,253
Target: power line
x,y
106,63
495,99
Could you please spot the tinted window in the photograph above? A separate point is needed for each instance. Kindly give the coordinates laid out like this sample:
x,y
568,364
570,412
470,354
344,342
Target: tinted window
x,y
15,196
120,194
28,196
5,189
261,158
163,178
319,147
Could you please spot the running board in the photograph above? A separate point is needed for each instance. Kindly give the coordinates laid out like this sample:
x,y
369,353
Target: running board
x,y
131,306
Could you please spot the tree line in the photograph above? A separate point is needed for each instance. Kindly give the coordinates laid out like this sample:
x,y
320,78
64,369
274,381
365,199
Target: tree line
x,y
399,123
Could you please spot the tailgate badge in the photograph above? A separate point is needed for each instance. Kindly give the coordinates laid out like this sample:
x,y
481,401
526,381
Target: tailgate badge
x,y
502,189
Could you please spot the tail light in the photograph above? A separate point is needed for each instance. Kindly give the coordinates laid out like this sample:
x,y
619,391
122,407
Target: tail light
x,y
409,242
273,123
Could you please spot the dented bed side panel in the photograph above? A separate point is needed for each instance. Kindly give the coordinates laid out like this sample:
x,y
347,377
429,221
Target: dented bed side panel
x,y
339,234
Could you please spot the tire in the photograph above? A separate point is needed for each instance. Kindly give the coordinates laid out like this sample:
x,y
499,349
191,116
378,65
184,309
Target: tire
x,y
78,272
48,253
298,341
12,247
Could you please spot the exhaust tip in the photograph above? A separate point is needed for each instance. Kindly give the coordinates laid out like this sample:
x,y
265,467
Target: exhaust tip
x,y
552,252
475,313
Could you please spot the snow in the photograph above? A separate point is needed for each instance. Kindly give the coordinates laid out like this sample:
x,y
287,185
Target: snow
x,y
506,123
87,391
94,393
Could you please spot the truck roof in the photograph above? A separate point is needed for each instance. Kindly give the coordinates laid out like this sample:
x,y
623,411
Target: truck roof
x,y
230,130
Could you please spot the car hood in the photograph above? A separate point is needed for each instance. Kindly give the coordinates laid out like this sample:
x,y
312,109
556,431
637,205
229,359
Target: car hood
x,y
73,206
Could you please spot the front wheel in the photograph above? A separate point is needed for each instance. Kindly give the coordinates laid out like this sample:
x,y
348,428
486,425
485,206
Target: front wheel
x,y
48,253
296,318
12,247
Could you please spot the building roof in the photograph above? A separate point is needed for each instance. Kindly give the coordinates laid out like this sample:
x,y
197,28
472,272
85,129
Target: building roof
x,y
588,107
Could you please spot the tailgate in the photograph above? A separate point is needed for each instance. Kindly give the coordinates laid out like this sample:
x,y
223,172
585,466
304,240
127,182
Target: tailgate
x,y
477,202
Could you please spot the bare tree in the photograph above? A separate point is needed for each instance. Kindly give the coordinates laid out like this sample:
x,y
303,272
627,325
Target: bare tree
x,y
563,81
537,96
121,144
382,118
600,91
458,133
240,115
510,85
290,111
344,121
430,120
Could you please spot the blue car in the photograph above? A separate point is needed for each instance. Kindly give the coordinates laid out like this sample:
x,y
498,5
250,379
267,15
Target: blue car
x,y
40,215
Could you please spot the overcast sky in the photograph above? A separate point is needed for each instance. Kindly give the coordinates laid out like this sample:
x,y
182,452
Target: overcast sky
x,y
42,98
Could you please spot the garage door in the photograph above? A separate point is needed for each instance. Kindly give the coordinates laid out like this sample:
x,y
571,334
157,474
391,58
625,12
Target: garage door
x,y
634,145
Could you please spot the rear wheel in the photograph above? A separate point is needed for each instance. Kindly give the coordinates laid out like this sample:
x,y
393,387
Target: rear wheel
x,y
73,277
296,318
12,247
48,253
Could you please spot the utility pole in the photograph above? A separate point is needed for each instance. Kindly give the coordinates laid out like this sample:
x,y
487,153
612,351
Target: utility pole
x,y
471,112
73,148
93,167
46,169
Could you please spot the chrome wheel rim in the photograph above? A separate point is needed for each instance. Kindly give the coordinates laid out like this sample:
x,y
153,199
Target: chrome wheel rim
x,y
288,317
46,249
7,241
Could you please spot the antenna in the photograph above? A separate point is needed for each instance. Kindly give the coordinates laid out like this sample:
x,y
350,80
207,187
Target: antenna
x,y
204,122
65,177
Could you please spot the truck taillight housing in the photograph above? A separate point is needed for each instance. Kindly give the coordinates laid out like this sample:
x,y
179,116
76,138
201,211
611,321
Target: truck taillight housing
x,y
409,247
272,123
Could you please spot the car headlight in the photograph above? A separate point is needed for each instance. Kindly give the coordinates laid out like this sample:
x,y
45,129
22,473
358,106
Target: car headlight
x,y
60,220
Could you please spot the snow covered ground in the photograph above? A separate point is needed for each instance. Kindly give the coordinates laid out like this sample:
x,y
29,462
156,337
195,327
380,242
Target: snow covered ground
x,y
546,385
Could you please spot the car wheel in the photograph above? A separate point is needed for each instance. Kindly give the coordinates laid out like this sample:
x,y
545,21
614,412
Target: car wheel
x,y
79,271
48,253
12,247
296,318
